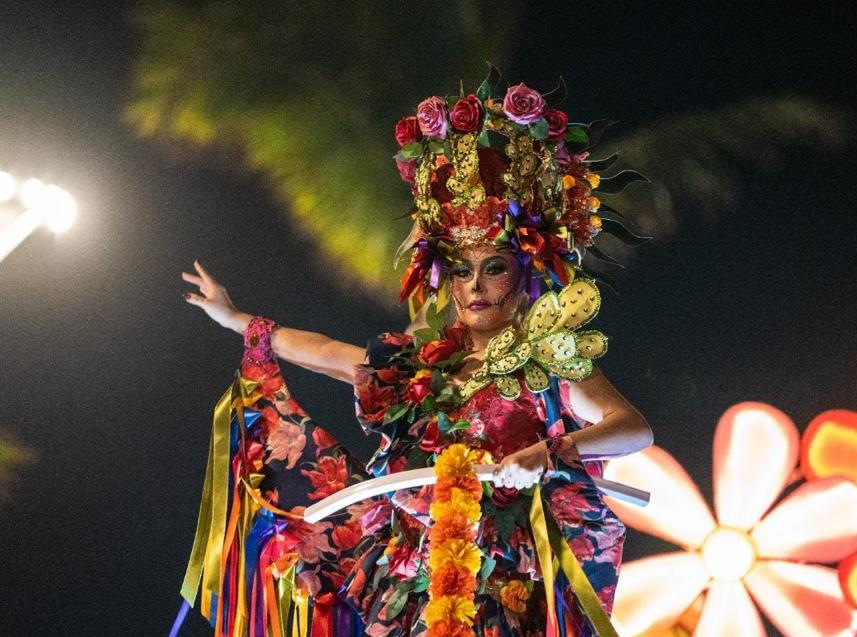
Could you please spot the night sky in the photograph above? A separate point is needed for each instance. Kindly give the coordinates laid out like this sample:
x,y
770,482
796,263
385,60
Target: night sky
x,y
110,377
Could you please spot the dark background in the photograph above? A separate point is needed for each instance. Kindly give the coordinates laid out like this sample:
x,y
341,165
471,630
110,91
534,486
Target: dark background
x,y
110,378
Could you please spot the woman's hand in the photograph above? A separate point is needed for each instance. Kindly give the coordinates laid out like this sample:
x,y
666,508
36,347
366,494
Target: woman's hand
x,y
523,468
213,299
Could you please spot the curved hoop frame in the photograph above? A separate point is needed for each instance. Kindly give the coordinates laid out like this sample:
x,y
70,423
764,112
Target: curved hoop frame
x,y
422,477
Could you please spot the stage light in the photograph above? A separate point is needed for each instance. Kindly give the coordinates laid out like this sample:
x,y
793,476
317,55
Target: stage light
x,y
8,187
60,209
33,194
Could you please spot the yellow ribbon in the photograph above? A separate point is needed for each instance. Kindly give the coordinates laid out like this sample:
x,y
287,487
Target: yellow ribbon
x,y
205,556
547,535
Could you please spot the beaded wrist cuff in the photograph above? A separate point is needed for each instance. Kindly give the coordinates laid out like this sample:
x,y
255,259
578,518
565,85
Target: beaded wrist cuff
x,y
257,340
563,447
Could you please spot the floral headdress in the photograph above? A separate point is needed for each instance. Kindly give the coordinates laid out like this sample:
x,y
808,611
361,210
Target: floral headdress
x,y
513,172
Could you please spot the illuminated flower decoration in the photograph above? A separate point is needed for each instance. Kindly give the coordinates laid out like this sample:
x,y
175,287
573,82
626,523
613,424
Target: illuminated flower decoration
x,y
746,550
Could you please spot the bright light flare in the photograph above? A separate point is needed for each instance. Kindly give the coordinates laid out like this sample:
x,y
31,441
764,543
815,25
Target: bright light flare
x,y
728,554
8,187
57,207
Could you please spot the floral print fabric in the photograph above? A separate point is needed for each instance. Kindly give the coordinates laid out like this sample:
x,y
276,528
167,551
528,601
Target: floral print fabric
x,y
386,584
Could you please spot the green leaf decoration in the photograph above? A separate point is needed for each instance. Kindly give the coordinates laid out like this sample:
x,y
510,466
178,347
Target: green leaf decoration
x,y
576,135
576,370
443,423
535,378
437,147
484,90
508,386
598,253
397,601
421,583
613,227
435,319
500,343
483,140
596,129
539,129
488,564
414,150
394,412
600,165
591,344
617,183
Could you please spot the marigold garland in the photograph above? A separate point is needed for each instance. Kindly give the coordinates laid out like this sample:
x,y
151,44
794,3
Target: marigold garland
x,y
454,557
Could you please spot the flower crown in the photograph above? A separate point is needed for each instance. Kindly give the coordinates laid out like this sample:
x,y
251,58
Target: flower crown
x,y
513,172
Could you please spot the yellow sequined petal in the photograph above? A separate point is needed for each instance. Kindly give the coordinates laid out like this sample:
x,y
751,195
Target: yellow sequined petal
x,y
591,344
579,301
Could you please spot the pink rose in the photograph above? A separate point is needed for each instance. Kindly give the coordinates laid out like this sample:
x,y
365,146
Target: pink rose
x,y
466,115
557,123
407,171
408,131
523,105
433,117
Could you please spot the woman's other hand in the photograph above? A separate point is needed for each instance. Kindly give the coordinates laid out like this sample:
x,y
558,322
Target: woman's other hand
x,y
213,299
523,468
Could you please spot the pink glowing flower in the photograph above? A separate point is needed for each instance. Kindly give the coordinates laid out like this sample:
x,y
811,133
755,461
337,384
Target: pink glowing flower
x,y
751,551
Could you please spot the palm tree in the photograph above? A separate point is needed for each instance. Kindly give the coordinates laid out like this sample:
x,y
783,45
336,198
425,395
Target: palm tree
x,y
312,107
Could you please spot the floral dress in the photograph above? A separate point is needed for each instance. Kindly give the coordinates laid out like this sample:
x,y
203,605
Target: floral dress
x,y
387,585
363,570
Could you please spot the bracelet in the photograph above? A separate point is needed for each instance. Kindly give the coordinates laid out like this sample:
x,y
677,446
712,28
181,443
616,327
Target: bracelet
x,y
563,444
257,340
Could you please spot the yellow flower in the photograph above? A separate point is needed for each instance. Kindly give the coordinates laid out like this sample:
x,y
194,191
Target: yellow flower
x,y
459,552
467,507
567,182
450,607
481,456
595,221
594,203
453,461
593,179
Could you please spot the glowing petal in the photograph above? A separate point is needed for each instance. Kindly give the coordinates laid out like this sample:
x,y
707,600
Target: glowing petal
x,y
676,511
848,579
802,600
755,451
815,523
652,593
829,445
729,611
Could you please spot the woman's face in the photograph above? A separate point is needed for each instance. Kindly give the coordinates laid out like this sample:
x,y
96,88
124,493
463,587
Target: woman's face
x,y
486,288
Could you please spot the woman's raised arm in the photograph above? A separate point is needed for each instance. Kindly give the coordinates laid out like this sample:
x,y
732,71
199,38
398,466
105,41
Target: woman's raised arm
x,y
310,350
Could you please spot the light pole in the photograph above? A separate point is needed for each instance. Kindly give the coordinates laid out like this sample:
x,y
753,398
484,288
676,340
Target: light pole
x,y
32,203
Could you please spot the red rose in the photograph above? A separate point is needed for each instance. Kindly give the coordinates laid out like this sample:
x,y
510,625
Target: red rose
x,y
418,388
434,352
557,123
408,130
431,440
466,115
523,105
407,171
433,117
503,497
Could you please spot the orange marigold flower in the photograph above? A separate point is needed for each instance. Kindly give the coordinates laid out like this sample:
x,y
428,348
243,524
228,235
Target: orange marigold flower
x,y
450,629
466,506
450,608
452,580
455,526
461,552
594,179
514,596
453,461
470,484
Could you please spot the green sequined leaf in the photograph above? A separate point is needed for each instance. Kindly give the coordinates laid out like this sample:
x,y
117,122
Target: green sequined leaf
x,y
591,344
508,386
543,315
535,378
577,369
507,363
579,301
472,386
500,343
555,349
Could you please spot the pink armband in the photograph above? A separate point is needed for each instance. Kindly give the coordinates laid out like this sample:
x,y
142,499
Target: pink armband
x,y
257,341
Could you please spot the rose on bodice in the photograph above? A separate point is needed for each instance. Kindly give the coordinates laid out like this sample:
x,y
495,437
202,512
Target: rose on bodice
x,y
408,130
557,123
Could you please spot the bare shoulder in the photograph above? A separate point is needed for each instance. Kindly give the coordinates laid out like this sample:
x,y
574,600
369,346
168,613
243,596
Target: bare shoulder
x,y
594,397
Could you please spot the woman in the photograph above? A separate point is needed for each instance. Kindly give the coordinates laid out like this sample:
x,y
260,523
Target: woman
x,y
497,379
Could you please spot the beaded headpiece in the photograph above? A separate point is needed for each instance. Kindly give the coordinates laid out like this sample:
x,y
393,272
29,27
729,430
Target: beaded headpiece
x,y
513,172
